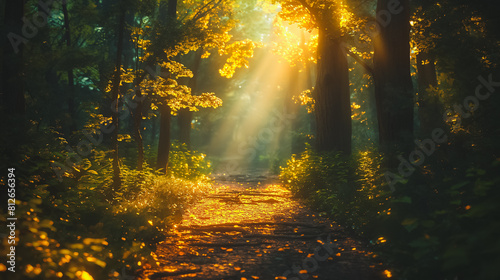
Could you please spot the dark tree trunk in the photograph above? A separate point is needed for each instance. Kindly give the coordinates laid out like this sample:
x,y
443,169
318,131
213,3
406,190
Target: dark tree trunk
x,y
12,88
332,97
429,110
164,141
115,94
165,111
393,85
71,78
139,98
138,128
185,117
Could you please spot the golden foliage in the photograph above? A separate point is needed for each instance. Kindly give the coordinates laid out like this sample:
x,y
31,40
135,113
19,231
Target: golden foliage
x,y
168,91
332,16
206,26
305,98
238,52
295,46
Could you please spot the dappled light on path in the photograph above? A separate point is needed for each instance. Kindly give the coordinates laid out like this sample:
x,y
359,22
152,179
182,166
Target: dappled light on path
x,y
243,231
230,204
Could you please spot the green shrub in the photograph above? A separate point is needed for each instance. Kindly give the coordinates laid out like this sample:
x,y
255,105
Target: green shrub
x,y
187,164
439,223
348,189
78,228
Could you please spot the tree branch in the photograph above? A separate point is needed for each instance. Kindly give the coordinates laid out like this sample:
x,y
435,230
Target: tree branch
x,y
360,61
310,9
201,14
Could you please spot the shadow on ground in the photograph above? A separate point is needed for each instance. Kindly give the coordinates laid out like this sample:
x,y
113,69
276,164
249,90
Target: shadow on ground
x,y
251,228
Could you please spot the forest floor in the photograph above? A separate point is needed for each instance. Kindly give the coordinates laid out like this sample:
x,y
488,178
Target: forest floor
x,y
250,227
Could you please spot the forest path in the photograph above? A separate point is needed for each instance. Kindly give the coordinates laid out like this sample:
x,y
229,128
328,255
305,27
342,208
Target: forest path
x,y
253,229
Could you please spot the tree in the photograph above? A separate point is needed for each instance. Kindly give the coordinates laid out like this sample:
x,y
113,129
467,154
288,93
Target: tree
x,y
186,28
12,62
393,85
185,116
169,18
331,94
115,95
429,110
71,77
462,38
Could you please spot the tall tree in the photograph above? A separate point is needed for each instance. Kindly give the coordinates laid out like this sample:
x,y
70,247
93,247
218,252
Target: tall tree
x,y
71,77
185,116
176,32
429,112
12,78
115,95
137,115
422,38
331,94
393,85
165,111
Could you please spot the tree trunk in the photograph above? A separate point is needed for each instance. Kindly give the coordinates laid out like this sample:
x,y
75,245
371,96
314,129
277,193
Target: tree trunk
x,y
115,94
429,110
332,97
71,79
164,141
12,78
138,116
393,85
165,111
138,128
185,117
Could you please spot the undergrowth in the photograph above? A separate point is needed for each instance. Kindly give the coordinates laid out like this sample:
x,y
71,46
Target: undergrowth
x,y
76,227
442,222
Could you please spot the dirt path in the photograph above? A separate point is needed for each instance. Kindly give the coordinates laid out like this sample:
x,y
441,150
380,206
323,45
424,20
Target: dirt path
x,y
257,231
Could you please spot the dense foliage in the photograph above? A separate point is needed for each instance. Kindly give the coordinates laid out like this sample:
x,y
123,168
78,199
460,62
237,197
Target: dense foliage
x,y
76,227
439,223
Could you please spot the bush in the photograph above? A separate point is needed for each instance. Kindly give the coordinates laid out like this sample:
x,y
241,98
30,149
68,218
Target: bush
x,y
78,228
348,189
440,223
187,164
